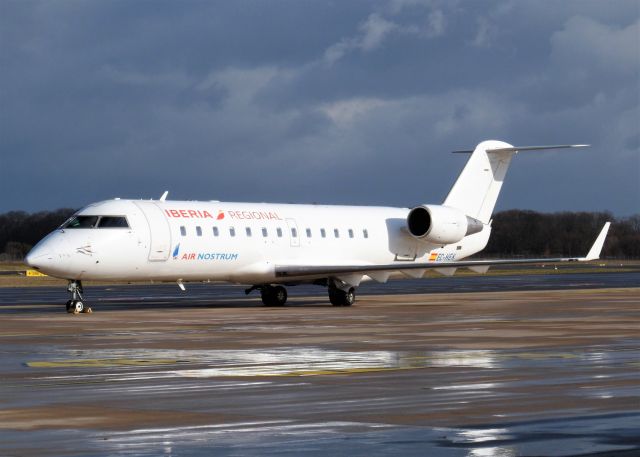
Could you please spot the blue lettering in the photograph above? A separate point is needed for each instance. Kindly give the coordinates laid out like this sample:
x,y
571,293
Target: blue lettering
x,y
216,256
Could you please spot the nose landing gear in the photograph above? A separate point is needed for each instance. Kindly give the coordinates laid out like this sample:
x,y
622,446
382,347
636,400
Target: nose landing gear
x,y
76,304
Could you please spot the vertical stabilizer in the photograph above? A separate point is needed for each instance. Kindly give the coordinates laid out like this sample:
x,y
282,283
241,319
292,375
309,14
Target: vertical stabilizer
x,y
476,190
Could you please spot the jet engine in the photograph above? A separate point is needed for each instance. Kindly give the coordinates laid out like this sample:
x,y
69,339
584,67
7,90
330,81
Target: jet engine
x,y
440,224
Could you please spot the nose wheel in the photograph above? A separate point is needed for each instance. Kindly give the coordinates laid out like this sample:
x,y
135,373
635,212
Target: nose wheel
x,y
76,305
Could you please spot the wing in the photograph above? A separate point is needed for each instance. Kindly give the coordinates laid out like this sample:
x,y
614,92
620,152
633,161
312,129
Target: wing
x,y
300,271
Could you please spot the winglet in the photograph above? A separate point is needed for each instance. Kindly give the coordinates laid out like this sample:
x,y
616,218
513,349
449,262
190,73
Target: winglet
x,y
164,196
594,252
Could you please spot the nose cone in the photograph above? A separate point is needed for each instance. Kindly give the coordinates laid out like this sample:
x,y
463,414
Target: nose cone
x,y
48,257
40,258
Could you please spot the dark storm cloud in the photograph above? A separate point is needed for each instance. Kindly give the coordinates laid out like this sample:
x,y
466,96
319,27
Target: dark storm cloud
x,y
343,102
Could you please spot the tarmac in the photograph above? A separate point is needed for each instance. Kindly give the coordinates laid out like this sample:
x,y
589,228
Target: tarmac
x,y
529,365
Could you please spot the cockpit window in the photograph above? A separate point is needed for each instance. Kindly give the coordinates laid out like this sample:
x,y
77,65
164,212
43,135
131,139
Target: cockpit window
x,y
89,222
81,222
113,222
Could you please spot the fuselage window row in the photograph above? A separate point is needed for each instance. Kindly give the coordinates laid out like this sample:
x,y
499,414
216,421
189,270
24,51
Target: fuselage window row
x,y
279,232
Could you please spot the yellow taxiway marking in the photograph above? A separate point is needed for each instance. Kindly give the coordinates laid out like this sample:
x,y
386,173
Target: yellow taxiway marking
x,y
101,363
336,371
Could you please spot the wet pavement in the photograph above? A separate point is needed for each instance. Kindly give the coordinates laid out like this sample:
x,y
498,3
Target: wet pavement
x,y
513,370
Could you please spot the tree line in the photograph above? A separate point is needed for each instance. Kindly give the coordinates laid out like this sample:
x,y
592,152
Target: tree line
x,y
532,234
20,231
514,233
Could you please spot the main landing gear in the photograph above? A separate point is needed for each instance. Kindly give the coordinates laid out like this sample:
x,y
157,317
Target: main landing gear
x,y
271,295
76,304
339,297
277,295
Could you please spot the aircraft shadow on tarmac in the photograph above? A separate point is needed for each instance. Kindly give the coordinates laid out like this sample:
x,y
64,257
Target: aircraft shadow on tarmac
x,y
168,296
154,297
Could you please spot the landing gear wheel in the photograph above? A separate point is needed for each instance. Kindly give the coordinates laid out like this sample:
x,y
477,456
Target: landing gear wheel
x,y
339,297
70,306
273,296
78,307
279,296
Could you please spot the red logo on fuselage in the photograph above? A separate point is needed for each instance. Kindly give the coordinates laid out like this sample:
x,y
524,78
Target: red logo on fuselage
x,y
203,214
189,213
264,215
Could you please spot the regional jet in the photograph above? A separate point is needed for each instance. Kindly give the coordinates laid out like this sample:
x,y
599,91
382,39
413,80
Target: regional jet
x,y
272,246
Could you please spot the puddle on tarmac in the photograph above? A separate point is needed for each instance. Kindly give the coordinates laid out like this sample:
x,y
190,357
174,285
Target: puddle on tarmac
x,y
310,361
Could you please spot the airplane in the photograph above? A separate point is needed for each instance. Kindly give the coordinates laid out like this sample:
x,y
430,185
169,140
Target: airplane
x,y
272,246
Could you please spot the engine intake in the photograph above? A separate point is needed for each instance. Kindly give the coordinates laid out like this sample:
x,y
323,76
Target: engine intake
x,y
441,224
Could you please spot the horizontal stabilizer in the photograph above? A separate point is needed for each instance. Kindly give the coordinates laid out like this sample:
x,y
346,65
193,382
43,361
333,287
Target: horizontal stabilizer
x,y
526,148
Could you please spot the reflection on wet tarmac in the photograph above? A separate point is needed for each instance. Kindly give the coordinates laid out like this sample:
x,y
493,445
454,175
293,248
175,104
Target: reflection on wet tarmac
x,y
288,361
310,361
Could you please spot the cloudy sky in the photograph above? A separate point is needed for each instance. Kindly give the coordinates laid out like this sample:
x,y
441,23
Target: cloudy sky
x,y
348,102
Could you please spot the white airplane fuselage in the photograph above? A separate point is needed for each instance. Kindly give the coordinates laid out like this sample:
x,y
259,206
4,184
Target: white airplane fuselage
x,y
234,242
269,246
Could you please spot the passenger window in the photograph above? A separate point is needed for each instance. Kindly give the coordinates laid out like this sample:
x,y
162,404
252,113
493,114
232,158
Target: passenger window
x,y
216,232
264,232
294,232
350,233
336,233
323,233
248,230
308,233
232,231
365,232
199,230
279,232
80,222
113,222
183,230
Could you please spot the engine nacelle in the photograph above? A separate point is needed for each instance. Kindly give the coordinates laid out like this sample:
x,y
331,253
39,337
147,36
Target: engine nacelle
x,y
441,224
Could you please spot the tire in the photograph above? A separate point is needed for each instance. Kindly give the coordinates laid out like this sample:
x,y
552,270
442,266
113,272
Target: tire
x,y
273,296
339,297
334,296
70,306
266,294
78,307
349,297
279,296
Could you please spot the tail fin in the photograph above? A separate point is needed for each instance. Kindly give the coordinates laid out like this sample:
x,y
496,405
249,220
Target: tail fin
x,y
476,190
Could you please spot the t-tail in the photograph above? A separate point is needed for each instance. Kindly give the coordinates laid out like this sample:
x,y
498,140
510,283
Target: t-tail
x,y
476,190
